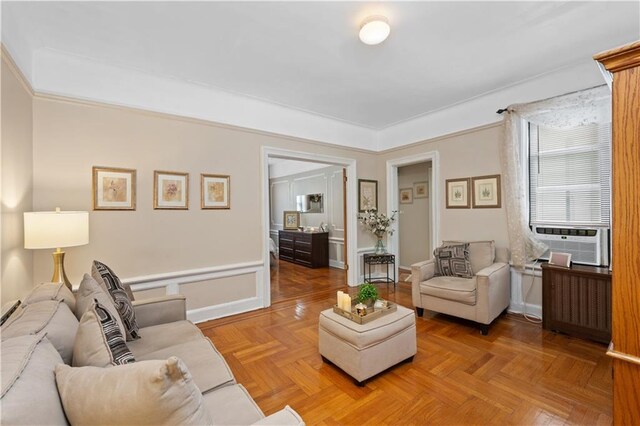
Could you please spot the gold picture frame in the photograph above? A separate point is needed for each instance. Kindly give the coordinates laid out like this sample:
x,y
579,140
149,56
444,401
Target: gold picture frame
x,y
487,192
291,219
421,190
457,191
170,190
215,192
113,188
406,196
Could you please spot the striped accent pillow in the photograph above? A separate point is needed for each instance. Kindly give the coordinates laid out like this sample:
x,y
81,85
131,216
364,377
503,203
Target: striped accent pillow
x,y
453,261
99,340
115,340
110,282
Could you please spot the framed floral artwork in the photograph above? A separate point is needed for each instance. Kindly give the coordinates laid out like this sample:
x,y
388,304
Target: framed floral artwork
x,y
291,220
406,196
367,194
114,188
486,192
421,190
458,193
170,190
215,191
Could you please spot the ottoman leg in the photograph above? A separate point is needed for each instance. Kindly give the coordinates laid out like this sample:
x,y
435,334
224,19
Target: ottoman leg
x,y
420,311
484,329
360,384
326,361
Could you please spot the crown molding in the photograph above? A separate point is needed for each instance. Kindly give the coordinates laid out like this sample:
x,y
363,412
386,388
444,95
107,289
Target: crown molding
x,y
67,78
17,72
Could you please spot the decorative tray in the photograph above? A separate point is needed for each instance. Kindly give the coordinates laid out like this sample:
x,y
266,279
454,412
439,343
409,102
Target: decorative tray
x,y
372,313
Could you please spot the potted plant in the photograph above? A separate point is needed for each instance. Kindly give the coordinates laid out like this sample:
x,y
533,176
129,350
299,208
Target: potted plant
x,y
367,294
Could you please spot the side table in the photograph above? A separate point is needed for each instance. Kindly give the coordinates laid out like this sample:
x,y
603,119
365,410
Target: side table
x,y
379,259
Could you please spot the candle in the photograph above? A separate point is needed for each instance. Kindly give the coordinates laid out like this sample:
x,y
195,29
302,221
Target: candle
x,y
347,303
340,297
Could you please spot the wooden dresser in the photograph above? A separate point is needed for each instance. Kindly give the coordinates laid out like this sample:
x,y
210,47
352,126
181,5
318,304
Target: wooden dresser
x,y
310,249
624,63
577,301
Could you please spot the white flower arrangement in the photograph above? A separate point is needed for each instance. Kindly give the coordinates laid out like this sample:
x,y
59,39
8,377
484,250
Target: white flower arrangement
x,y
378,223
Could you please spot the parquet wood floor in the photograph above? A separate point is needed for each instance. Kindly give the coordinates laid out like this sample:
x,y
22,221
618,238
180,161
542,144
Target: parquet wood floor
x,y
518,374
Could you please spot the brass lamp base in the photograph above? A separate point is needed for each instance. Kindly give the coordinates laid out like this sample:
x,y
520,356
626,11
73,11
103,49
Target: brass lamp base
x,y
59,276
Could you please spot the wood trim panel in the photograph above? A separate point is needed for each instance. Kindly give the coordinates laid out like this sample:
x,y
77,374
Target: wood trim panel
x,y
620,58
624,62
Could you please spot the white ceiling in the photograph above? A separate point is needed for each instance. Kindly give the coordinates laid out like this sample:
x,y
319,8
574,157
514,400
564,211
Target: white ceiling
x,y
306,56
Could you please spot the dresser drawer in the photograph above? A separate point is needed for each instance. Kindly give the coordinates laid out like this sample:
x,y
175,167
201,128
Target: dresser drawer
x,y
303,255
285,242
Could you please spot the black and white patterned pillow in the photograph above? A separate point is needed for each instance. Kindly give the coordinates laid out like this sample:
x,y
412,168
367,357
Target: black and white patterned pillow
x,y
110,282
120,352
453,261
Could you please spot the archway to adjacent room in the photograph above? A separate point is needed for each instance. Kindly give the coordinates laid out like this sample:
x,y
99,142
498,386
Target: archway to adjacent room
x,y
349,189
431,214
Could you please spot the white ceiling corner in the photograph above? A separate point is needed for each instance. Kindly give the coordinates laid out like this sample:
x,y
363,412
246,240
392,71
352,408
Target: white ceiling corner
x,y
298,69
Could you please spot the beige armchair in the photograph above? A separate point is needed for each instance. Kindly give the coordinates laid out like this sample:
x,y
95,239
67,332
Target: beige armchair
x,y
481,298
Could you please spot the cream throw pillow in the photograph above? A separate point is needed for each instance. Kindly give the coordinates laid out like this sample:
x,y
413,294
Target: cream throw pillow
x,y
142,393
51,291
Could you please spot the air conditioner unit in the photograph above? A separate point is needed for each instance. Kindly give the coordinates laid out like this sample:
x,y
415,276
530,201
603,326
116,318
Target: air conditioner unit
x,y
587,246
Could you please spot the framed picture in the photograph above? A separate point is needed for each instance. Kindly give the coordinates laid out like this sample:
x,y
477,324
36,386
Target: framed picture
x,y
421,190
291,220
170,190
215,191
458,193
114,188
560,259
367,194
486,192
406,195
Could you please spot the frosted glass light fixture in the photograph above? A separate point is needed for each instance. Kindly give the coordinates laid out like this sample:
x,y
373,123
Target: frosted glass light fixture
x,y
374,30
56,229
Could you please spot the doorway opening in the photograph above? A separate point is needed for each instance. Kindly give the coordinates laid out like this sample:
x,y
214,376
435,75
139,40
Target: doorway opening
x,y
418,217
318,196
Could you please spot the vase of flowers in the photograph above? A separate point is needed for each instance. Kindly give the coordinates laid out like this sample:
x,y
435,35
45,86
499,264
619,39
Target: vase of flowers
x,y
379,224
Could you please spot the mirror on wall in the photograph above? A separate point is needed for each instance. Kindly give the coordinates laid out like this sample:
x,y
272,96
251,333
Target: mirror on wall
x,y
310,203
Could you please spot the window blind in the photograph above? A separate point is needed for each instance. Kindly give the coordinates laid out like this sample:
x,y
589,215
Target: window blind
x,y
570,175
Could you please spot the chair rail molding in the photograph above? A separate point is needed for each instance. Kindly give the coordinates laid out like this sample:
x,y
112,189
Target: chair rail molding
x,y
171,282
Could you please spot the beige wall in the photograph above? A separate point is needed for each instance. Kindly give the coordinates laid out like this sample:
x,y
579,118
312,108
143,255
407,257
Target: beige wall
x,y
414,219
70,137
17,183
472,153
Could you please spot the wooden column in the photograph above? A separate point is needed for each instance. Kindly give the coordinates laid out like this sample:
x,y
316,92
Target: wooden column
x,y
624,63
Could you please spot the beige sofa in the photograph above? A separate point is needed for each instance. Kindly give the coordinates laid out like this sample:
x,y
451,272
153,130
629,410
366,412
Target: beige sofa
x,y
40,335
480,299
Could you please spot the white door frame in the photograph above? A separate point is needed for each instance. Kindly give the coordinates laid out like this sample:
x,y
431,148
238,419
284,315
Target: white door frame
x,y
352,209
393,202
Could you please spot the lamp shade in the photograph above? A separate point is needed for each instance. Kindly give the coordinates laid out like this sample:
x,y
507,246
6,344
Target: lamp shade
x,y
55,229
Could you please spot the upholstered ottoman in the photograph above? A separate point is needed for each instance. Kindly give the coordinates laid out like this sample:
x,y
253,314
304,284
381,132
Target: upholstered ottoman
x,y
362,351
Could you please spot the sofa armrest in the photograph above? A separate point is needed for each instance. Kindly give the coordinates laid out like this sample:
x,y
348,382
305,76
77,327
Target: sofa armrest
x,y
286,416
420,272
160,310
494,291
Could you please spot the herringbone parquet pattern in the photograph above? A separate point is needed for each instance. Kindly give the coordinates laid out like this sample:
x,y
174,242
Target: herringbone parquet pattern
x,y
518,374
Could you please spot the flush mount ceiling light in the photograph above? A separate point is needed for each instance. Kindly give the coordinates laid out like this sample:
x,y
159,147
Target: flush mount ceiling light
x,y
374,30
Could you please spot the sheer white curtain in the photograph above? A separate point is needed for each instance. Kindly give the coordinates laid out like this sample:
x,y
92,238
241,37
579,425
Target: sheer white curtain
x,y
571,110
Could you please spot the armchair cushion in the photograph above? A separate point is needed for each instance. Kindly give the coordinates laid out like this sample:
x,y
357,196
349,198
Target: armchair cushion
x,y
453,261
462,290
481,253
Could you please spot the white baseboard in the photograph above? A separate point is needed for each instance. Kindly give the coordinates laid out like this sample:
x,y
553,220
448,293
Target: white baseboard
x,y
224,310
336,264
519,308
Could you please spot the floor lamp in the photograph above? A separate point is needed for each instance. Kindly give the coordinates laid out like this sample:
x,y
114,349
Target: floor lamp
x,y
57,229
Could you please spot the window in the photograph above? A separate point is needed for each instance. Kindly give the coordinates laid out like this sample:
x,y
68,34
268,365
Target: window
x,y
569,175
